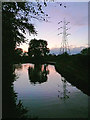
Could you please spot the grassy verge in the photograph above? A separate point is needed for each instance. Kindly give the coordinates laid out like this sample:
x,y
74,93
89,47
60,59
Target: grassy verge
x,y
75,70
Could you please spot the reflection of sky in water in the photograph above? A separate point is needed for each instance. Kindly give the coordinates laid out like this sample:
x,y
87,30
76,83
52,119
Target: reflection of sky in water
x,y
46,99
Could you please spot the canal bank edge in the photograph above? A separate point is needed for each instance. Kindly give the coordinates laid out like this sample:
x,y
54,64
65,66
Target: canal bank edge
x,y
79,80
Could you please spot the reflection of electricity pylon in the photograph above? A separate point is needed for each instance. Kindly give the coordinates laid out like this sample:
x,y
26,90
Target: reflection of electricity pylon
x,y
64,94
64,44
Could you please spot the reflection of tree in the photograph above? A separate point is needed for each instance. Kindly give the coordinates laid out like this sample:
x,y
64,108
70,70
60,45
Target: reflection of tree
x,y
64,94
18,66
10,109
38,73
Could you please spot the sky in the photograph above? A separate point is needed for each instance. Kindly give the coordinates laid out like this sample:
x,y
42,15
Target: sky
x,y
76,13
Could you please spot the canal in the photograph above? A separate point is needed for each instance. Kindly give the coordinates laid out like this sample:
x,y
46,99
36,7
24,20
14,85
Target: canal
x,y
47,94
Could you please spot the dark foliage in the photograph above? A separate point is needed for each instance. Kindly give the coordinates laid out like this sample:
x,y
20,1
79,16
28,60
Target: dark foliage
x,y
75,69
18,52
16,20
38,48
10,108
86,51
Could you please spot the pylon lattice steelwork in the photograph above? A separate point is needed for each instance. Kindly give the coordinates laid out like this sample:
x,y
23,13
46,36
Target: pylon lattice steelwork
x,y
64,44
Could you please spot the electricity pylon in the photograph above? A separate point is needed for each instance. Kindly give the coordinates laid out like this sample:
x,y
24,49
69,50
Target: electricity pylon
x,y
64,44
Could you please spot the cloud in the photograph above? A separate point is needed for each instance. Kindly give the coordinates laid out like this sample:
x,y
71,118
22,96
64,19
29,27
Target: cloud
x,y
55,51
76,13
76,50
73,50
80,21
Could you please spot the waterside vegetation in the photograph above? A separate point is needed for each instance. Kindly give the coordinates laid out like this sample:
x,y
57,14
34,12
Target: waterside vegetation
x,y
73,67
16,17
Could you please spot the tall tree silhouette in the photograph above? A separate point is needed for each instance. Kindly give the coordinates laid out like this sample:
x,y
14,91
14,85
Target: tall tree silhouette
x,y
38,48
16,20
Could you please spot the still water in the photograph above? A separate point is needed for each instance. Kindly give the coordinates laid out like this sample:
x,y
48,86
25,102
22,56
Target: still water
x,y
46,94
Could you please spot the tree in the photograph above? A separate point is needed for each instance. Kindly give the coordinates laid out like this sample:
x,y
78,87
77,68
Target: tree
x,y
38,48
25,54
38,73
86,51
18,52
16,20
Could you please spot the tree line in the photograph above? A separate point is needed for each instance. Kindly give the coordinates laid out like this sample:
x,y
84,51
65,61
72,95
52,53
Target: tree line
x,y
16,20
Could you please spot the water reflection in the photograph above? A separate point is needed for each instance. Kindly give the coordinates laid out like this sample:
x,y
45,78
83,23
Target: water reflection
x,y
64,95
41,99
38,73
11,108
18,66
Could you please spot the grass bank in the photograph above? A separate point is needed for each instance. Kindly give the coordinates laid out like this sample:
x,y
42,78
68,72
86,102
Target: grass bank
x,y
75,70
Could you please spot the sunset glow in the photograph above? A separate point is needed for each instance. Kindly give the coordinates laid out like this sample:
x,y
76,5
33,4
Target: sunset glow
x,y
78,25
